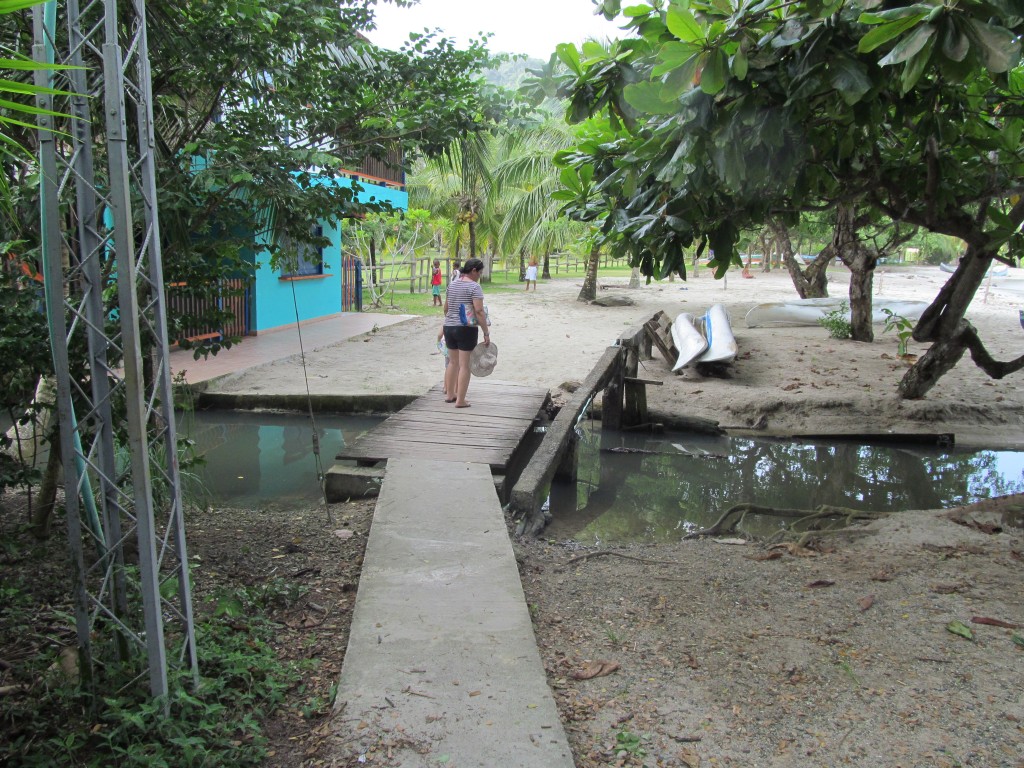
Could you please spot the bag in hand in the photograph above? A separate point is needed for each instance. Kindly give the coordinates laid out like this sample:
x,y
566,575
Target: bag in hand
x,y
468,315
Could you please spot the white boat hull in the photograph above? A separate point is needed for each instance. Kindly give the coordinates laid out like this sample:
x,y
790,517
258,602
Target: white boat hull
x,y
690,342
996,270
810,311
718,332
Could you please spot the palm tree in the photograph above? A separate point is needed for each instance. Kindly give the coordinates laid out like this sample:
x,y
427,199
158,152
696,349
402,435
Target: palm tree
x,y
524,179
456,186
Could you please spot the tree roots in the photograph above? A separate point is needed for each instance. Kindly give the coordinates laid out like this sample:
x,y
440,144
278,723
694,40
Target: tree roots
x,y
824,519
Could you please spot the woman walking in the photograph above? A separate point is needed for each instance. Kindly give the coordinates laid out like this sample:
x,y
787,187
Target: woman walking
x,y
463,293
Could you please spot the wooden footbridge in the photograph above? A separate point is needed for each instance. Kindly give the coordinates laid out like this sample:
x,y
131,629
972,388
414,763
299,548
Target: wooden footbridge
x,y
493,429
489,432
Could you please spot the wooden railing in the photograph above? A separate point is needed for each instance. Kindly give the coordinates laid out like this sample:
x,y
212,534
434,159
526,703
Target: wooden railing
x,y
389,170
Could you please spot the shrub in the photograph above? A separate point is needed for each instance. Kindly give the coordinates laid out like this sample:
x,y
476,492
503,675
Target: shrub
x,y
242,682
837,322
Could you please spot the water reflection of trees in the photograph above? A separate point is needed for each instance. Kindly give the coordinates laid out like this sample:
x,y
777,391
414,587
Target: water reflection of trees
x,y
630,496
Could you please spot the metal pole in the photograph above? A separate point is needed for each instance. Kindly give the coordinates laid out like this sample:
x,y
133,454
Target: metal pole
x,y
106,242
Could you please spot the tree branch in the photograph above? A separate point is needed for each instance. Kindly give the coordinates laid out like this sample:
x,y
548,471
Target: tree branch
x,y
995,369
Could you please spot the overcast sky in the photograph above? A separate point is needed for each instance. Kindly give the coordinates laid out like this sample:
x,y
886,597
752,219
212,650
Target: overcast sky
x,y
533,27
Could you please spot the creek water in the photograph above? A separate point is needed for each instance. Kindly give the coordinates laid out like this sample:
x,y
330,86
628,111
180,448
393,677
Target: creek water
x,y
263,459
636,489
659,488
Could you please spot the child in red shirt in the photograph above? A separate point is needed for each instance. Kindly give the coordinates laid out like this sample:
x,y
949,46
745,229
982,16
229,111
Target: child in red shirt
x,y
435,283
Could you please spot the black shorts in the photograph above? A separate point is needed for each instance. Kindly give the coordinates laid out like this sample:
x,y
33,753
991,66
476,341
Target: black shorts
x,y
463,337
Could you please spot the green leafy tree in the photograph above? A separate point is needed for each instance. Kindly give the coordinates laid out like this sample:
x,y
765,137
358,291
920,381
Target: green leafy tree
x,y
525,179
259,104
732,115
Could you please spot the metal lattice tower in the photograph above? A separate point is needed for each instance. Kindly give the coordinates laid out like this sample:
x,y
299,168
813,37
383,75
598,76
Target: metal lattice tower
x,y
117,439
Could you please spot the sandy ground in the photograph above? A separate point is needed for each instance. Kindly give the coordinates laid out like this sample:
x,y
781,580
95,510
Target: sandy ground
x,y
733,653
786,380
849,649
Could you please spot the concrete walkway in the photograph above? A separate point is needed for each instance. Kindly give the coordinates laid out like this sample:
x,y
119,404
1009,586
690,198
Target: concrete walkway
x,y
279,344
442,667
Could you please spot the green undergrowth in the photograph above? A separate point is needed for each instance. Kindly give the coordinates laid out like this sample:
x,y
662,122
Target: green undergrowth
x,y
217,723
837,322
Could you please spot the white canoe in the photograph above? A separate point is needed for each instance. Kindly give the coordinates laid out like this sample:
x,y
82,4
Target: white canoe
x,y
721,342
997,269
689,342
810,311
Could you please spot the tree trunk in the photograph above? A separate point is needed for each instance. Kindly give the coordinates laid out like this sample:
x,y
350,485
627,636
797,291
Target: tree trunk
x,y
472,239
589,290
939,360
943,323
861,281
810,283
373,263
522,265
43,513
861,262
634,278
547,265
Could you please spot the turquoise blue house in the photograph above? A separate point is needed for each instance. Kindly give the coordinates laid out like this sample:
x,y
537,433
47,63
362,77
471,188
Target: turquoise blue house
x,y
327,285
324,284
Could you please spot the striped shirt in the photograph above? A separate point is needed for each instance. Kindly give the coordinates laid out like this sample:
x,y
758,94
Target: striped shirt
x,y
461,292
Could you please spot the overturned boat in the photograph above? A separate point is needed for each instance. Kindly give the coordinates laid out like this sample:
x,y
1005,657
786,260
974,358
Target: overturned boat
x,y
996,270
810,311
705,339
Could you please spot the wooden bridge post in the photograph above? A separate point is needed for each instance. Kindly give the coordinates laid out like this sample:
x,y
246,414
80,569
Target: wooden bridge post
x,y
646,347
568,466
611,400
634,391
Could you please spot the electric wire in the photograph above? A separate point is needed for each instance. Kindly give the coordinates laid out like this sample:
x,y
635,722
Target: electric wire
x,y
309,402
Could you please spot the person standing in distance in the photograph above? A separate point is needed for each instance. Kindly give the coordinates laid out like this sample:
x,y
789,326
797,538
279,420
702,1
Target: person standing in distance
x,y
462,339
531,273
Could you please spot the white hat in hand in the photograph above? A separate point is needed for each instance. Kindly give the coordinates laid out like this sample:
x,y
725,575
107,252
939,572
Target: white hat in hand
x,y
483,359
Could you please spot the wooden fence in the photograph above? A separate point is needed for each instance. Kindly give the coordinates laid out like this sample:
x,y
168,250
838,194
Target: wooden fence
x,y
234,298
351,284
415,274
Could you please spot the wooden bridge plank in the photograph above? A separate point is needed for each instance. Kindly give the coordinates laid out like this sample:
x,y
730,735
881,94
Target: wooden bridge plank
x,y
489,431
